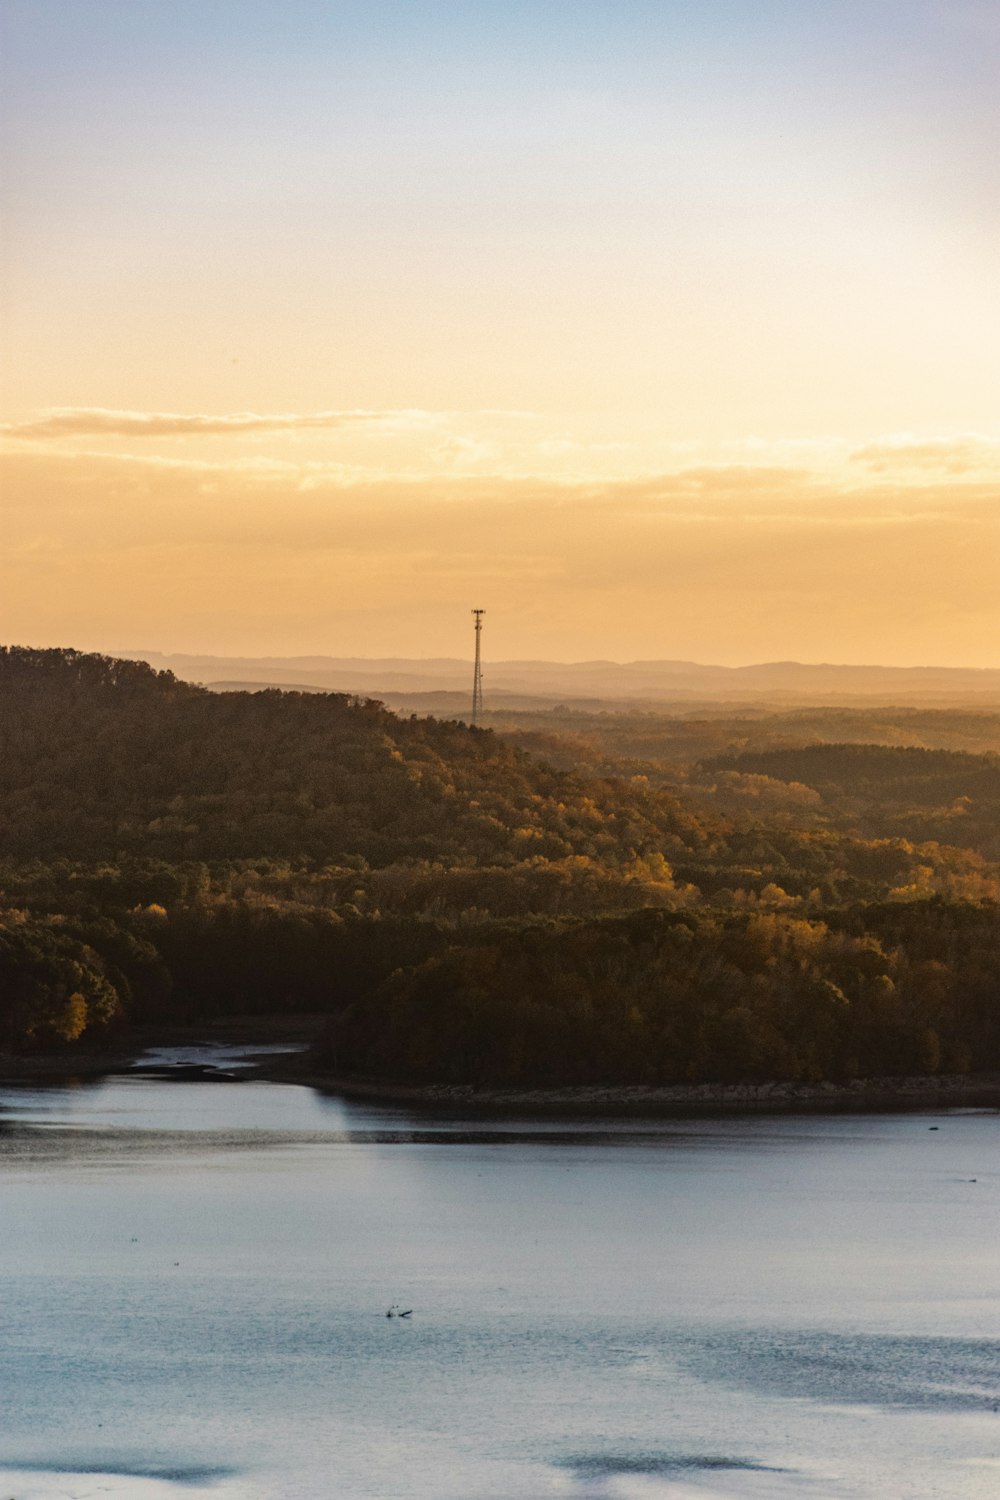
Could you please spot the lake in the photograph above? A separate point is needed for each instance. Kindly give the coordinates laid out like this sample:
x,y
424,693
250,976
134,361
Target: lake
x,y
195,1278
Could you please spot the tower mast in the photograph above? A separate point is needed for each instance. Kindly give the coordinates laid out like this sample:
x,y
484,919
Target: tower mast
x,y
477,676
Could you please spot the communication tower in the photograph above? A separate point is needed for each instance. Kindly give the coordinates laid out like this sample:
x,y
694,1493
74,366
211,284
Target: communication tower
x,y
477,676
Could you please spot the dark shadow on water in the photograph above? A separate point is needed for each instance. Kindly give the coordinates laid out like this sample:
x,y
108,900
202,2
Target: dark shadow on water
x,y
182,1474
606,1465
886,1370
249,1138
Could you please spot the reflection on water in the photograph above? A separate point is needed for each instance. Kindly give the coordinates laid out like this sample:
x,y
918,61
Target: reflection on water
x,y
196,1277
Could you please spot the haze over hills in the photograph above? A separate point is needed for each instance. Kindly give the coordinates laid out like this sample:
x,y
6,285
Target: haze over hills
x,y
448,679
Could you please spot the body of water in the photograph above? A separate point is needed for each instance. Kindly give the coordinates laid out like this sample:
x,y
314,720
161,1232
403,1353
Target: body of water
x,y
194,1279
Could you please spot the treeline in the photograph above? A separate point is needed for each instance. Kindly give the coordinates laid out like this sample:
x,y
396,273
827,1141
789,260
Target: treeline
x,y
661,998
648,997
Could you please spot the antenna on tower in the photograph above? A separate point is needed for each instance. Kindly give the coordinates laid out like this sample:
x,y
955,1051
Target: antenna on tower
x,y
477,676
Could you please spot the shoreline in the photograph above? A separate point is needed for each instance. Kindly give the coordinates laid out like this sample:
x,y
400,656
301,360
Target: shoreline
x,y
895,1095
122,1054
861,1096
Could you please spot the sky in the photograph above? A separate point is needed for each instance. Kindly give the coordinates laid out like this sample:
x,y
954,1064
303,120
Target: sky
x,y
655,328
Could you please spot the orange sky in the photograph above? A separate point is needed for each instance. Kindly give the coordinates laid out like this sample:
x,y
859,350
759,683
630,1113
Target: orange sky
x,y
658,330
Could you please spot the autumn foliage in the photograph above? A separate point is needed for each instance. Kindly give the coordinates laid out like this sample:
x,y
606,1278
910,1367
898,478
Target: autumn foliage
x,y
469,908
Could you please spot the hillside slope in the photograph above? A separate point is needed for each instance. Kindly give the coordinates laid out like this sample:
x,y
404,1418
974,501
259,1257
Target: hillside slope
x,y
101,759
463,911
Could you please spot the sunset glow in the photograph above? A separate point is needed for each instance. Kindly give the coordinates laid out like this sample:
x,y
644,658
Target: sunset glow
x,y
658,329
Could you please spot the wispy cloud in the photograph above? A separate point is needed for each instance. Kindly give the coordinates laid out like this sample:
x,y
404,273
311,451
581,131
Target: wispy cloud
x,y
95,421
699,562
950,455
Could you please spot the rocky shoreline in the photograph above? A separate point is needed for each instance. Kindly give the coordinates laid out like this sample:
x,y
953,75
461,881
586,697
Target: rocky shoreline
x,y
860,1096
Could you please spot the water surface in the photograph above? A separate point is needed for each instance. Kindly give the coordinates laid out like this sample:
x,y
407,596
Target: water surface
x,y
195,1278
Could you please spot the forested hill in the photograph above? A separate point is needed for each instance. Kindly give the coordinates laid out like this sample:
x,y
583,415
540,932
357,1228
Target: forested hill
x,y
462,910
923,795
104,759
897,772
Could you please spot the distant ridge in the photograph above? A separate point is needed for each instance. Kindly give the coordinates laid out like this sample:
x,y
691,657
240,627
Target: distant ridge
x,y
636,682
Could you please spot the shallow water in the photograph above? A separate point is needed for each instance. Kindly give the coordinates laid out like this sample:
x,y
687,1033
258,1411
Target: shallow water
x,y
195,1278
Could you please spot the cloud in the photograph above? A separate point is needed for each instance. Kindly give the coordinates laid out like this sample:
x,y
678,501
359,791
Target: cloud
x,y
953,455
96,421
706,563
115,500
